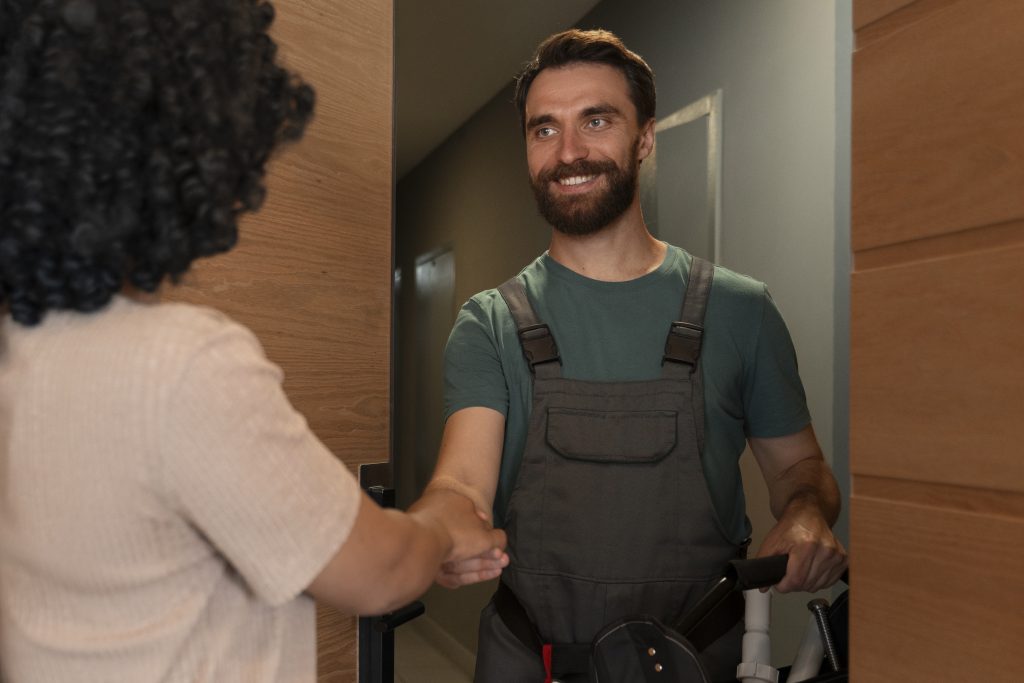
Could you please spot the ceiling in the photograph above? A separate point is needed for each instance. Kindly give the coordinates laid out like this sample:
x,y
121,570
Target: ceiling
x,y
453,56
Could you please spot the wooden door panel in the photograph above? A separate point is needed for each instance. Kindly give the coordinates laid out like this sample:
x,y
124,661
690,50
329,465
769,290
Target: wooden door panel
x,y
937,373
937,358
881,18
311,275
941,604
869,11
936,119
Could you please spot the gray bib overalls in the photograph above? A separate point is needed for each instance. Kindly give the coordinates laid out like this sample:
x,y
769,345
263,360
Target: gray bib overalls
x,y
610,514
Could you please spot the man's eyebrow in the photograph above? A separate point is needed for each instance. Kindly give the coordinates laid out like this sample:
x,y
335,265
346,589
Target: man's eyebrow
x,y
601,109
539,120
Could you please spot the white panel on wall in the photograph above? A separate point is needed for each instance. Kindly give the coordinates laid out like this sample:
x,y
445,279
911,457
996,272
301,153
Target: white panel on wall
x,y
680,181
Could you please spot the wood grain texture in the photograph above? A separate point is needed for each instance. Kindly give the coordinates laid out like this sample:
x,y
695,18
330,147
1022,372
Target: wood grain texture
x,y
335,646
887,17
938,125
869,11
954,498
937,370
944,602
992,237
311,275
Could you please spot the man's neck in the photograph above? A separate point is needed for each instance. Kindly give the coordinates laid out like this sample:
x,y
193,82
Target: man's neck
x,y
621,251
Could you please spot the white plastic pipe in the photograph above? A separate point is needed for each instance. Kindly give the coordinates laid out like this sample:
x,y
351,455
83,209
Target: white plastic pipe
x,y
757,647
809,655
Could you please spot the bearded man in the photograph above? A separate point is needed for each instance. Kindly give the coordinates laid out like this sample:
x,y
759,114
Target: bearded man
x,y
599,401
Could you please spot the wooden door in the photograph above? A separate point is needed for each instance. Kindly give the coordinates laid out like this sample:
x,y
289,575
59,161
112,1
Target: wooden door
x,y
312,272
937,367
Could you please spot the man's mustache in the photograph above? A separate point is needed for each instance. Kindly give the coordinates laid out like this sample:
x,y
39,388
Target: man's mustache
x,y
576,168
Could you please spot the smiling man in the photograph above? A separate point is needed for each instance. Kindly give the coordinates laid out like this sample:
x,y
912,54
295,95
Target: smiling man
x,y
583,163
600,400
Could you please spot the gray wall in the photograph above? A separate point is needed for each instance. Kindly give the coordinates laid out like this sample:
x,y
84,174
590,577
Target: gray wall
x,y
783,66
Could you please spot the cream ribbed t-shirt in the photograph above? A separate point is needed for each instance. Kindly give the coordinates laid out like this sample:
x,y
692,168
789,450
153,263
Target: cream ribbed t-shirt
x,y
162,505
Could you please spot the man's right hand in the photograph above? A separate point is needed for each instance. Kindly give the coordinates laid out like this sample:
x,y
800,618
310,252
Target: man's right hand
x,y
477,549
487,565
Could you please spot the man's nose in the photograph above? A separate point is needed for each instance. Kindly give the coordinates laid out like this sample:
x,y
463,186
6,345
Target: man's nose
x,y
572,147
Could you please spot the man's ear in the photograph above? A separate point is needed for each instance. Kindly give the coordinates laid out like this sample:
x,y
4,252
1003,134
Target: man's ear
x,y
646,140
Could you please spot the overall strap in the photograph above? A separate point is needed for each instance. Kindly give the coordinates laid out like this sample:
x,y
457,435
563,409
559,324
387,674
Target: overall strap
x,y
535,337
682,348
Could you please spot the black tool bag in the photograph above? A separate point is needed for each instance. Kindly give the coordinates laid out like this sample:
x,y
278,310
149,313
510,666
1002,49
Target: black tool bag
x,y
644,650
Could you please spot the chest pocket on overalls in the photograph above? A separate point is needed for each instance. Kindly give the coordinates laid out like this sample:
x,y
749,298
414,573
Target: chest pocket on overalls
x,y
612,436
611,477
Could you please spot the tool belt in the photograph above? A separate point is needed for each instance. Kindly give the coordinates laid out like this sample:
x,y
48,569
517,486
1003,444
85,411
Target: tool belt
x,y
639,644
640,647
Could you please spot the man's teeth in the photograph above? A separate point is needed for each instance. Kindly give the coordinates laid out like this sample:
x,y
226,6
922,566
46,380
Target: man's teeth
x,y
576,179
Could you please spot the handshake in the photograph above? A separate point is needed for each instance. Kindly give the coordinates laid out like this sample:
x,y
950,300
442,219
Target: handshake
x,y
463,526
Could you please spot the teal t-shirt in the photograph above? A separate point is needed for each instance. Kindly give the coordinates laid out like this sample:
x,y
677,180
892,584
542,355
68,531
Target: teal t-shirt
x,y
616,331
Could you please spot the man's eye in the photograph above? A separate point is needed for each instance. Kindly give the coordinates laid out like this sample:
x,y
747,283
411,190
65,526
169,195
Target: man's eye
x,y
596,123
545,132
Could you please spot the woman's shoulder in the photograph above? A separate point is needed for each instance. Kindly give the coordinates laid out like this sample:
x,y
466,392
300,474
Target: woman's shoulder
x,y
165,330
171,319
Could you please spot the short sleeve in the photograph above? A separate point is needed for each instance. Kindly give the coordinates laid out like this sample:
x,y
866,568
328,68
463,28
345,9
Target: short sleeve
x,y
473,374
243,466
774,400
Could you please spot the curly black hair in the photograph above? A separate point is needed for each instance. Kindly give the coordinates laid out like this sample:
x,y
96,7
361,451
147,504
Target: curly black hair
x,y
133,134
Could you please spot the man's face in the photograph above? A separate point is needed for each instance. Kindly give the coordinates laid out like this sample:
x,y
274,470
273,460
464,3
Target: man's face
x,y
583,146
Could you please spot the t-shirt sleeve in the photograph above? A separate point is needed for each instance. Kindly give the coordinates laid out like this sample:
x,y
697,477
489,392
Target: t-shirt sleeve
x,y
243,466
774,400
473,374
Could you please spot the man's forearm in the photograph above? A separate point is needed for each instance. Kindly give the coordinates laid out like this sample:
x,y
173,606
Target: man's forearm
x,y
444,482
804,498
807,483
470,456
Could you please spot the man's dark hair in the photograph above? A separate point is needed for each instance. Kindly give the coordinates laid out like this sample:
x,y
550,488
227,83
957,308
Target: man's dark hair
x,y
133,134
597,47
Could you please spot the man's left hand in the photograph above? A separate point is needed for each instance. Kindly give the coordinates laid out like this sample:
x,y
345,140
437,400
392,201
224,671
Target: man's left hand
x,y
816,557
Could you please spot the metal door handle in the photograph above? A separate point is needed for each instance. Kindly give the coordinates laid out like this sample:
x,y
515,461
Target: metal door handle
x,y
389,622
377,634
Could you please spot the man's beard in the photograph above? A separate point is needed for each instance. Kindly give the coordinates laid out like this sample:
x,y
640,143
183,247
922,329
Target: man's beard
x,y
587,213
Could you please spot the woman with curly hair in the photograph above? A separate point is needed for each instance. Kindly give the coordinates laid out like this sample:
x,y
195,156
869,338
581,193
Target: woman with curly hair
x,y
165,514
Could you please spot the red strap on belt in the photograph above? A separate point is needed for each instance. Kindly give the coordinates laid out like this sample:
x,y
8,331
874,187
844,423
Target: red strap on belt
x,y
545,653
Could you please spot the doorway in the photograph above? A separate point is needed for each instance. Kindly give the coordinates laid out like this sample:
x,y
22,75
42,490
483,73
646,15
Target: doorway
x,y
782,72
